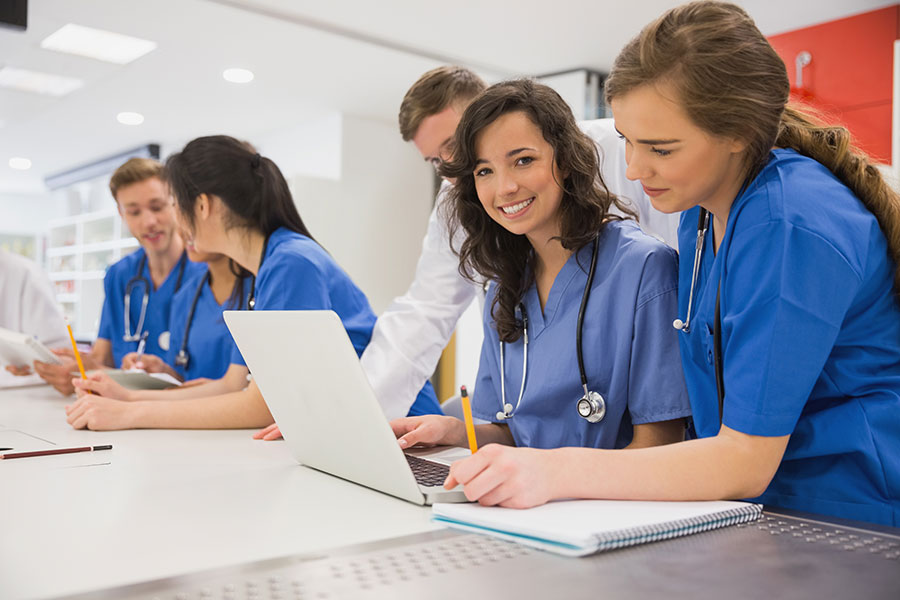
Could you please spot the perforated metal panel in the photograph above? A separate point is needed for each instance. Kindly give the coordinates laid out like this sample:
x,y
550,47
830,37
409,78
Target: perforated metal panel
x,y
777,556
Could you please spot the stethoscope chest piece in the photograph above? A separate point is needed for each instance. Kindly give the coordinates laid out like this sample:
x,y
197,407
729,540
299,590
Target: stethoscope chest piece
x,y
591,407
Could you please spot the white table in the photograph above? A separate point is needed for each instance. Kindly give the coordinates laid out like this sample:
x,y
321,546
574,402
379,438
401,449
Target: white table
x,y
165,502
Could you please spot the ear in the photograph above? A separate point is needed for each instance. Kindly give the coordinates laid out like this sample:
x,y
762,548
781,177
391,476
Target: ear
x,y
203,207
737,146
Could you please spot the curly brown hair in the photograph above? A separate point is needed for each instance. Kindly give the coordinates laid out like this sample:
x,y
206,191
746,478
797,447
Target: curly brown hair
x,y
489,249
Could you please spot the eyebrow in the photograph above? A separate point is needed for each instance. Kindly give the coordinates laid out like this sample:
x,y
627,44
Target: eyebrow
x,y
509,154
652,142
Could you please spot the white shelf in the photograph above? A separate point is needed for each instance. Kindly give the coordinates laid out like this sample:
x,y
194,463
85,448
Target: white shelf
x,y
76,275
67,298
119,244
84,218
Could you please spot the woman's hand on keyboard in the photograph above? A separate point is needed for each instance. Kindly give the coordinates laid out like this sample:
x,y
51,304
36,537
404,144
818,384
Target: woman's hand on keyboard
x,y
429,430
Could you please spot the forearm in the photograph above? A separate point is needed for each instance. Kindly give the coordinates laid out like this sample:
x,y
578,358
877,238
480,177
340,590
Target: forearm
x,y
492,433
234,380
100,356
235,410
659,433
715,468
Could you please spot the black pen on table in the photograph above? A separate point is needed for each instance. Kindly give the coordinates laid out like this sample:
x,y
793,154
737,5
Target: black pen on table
x,y
54,451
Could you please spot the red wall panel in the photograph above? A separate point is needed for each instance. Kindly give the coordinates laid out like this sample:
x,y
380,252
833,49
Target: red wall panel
x,y
850,75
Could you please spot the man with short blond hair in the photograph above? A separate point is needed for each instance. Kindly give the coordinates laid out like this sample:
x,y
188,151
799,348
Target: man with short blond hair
x,y
154,272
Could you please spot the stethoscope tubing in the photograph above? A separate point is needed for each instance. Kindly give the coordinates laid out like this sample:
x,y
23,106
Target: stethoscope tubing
x,y
136,279
508,410
183,358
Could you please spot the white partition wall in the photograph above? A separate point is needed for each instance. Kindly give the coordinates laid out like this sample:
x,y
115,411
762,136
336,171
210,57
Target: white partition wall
x,y
372,218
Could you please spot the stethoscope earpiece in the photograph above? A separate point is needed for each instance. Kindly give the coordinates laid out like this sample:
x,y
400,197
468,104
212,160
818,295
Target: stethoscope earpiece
x,y
678,324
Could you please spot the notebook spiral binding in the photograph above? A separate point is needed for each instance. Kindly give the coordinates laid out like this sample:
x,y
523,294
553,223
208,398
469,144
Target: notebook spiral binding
x,y
673,529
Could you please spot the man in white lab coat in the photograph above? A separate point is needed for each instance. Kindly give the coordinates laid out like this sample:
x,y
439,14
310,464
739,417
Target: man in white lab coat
x,y
412,332
28,303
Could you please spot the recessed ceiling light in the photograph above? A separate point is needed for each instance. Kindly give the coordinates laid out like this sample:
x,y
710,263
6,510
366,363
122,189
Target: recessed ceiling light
x,y
20,164
238,75
130,118
38,83
96,43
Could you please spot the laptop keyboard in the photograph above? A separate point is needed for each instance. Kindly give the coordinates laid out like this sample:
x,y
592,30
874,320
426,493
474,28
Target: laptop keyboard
x,y
427,472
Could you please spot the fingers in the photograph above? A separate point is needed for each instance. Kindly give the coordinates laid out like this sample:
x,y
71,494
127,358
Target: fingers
x,y
275,434
75,414
262,433
402,425
84,386
63,352
485,476
130,360
428,430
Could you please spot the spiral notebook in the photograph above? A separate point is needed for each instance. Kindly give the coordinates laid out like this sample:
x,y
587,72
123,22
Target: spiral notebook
x,y
582,527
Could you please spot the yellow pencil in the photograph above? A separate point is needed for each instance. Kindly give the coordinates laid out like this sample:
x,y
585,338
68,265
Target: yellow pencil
x,y
75,349
470,424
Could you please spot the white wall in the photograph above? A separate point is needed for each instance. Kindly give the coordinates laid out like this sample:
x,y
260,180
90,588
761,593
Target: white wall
x,y
372,219
26,213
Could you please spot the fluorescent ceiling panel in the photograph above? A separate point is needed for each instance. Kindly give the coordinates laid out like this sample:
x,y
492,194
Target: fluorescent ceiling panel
x,y
99,44
24,80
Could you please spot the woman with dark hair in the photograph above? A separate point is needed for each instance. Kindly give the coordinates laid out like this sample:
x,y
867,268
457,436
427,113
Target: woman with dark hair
x,y
791,335
235,202
571,284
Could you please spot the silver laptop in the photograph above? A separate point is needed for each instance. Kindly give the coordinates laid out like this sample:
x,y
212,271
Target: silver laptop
x,y
312,381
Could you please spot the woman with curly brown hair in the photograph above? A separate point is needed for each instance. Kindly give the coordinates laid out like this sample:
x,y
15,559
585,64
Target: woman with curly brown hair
x,y
572,284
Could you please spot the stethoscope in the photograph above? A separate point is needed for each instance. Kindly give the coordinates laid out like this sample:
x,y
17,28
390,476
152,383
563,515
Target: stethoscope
x,y
702,229
703,223
139,279
591,406
251,298
183,358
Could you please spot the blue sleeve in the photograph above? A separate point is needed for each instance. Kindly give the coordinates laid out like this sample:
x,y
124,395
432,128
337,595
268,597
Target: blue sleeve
x,y
485,396
289,285
297,284
107,329
785,293
656,388
237,358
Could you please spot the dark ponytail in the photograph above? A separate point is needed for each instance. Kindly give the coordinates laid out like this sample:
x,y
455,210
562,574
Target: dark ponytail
x,y
250,185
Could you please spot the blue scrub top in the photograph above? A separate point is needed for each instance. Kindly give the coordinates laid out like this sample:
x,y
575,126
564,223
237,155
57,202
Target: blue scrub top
x,y
298,274
810,337
156,321
630,348
210,346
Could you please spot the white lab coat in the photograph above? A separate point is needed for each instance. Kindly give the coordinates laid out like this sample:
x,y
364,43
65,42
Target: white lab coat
x,y
27,301
412,332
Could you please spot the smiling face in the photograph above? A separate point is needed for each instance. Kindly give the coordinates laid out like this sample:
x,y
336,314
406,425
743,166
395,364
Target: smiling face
x,y
149,213
678,164
517,179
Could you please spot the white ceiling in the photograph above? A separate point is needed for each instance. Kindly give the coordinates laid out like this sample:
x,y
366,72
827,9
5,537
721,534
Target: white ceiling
x,y
310,59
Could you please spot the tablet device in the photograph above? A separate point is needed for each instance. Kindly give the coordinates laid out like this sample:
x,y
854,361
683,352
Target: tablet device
x,y
21,349
140,380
